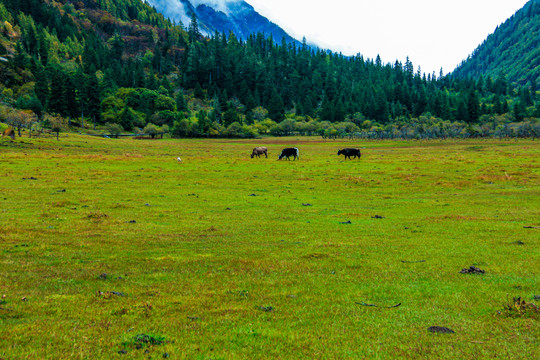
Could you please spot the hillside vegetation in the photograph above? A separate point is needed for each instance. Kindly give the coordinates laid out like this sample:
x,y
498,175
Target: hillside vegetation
x,y
513,50
96,62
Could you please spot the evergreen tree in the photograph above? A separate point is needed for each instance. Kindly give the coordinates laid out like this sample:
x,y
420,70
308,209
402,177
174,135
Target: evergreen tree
x,y
462,111
473,106
82,97
41,89
194,33
72,108
56,104
93,97
519,111
276,109
181,104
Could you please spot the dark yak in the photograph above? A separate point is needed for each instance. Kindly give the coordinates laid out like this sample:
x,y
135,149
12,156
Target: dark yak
x,y
287,152
258,151
348,152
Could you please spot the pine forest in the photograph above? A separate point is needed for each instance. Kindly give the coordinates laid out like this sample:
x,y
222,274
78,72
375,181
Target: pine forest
x,y
119,67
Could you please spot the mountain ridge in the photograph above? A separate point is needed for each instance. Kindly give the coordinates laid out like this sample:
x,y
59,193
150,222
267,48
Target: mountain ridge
x,y
237,17
512,50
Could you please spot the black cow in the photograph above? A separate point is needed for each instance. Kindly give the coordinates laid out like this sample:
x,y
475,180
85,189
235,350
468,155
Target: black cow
x,y
348,152
289,152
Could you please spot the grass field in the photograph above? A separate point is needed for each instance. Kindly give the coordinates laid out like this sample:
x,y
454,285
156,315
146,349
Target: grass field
x,y
113,249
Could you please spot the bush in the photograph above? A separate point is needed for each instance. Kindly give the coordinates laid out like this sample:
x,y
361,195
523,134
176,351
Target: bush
x,y
151,130
114,129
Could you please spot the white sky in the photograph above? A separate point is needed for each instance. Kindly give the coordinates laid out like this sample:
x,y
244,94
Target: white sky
x,y
433,33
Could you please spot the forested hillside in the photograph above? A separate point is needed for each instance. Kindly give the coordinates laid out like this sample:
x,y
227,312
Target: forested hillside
x,y
513,49
118,65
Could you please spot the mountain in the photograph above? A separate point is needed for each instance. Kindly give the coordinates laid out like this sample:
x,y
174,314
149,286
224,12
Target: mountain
x,y
119,64
513,50
222,16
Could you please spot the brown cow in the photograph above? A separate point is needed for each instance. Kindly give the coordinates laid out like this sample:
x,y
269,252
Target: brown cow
x,y
9,132
258,151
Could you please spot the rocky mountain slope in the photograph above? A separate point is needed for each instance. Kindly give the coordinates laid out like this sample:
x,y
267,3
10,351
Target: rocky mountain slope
x,y
221,16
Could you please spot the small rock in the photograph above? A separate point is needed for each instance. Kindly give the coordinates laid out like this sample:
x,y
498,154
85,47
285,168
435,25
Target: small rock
x,y
440,329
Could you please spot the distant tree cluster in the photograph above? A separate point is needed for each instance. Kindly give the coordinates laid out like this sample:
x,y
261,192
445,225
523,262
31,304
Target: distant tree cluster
x,y
120,66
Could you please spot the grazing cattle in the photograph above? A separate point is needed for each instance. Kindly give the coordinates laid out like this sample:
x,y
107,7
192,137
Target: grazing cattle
x,y
258,151
348,152
9,132
287,152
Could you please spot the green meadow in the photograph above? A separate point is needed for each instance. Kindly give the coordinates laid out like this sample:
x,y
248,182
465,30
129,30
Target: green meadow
x,y
114,249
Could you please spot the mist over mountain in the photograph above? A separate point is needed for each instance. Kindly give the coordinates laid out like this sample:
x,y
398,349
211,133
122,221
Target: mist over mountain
x,y
223,16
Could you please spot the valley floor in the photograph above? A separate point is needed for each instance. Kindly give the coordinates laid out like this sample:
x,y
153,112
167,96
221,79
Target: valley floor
x,y
113,248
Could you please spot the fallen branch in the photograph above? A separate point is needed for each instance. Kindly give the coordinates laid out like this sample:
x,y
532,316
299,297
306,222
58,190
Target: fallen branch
x,y
385,307
531,227
411,262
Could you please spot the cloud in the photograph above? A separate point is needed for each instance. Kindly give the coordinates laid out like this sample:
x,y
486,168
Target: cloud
x,y
177,10
221,5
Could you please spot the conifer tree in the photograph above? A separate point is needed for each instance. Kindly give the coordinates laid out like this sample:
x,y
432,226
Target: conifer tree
x,y
194,33
473,106
93,98
41,89
276,109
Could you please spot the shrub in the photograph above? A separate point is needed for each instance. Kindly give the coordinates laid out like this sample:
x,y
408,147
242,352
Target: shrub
x,y
114,129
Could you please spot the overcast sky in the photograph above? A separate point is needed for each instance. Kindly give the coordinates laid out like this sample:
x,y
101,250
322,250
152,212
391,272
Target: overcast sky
x,y
433,33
